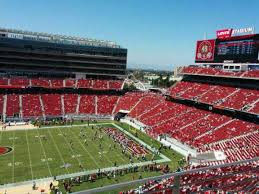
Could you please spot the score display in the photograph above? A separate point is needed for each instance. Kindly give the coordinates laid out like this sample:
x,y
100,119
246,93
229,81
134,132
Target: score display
x,y
241,49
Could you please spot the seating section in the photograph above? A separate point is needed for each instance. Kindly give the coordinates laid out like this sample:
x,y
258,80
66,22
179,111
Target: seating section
x,y
19,82
56,83
40,83
3,81
87,104
52,104
84,83
228,179
100,84
97,84
1,103
70,103
128,101
116,84
225,96
12,105
219,72
105,104
144,104
31,106
71,83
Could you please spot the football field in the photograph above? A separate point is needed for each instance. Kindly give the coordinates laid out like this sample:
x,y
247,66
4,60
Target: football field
x,y
48,152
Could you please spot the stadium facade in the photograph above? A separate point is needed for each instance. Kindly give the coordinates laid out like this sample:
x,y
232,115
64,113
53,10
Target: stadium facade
x,y
32,52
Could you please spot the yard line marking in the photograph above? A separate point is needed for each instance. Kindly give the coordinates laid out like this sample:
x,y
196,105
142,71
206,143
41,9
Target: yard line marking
x,y
44,152
29,153
79,162
13,153
86,150
57,149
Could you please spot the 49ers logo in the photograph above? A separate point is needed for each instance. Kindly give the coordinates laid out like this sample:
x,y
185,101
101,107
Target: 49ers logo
x,y
5,150
205,50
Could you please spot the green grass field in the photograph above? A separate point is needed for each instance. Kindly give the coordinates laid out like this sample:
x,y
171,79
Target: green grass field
x,y
33,157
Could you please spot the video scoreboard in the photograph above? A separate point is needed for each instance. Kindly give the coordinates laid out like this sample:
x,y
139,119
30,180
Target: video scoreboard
x,y
235,49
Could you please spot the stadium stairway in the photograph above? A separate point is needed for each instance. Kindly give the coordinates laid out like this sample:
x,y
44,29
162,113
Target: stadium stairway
x,y
4,107
21,107
62,105
78,104
42,107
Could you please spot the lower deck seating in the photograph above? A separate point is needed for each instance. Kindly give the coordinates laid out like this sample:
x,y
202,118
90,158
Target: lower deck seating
x,y
105,104
70,103
52,104
87,104
12,105
31,106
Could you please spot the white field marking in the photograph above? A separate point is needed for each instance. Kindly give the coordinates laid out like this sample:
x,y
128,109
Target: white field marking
x,y
13,138
86,150
13,153
18,163
44,152
97,149
79,162
29,154
76,156
46,159
60,155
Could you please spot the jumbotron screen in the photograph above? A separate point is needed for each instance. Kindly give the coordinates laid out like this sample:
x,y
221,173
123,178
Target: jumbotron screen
x,y
239,49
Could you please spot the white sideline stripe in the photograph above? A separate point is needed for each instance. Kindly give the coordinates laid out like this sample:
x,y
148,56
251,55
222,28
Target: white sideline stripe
x,y
44,153
60,155
166,159
13,153
87,152
79,162
29,153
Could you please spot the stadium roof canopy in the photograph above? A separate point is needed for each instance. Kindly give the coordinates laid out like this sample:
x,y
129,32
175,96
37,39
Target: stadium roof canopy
x,y
57,38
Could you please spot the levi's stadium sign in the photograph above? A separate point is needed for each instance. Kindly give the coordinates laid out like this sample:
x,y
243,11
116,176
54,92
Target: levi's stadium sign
x,y
227,33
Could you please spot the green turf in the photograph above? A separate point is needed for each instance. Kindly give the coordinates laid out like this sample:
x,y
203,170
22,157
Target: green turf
x,y
33,157
171,154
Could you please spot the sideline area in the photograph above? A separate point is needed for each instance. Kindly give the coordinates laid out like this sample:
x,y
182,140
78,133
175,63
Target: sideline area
x,y
43,184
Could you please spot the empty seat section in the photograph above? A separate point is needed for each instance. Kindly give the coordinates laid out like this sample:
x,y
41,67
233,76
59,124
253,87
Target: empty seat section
x,y
70,103
115,84
56,83
84,83
52,104
87,104
19,81
100,84
70,83
40,82
241,98
105,104
3,81
1,104
31,105
12,105
128,101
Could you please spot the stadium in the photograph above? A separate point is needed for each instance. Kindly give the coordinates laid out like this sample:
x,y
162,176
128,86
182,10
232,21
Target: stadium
x,y
70,124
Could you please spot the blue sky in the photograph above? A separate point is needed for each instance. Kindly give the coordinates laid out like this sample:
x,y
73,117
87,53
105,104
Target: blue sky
x,y
158,32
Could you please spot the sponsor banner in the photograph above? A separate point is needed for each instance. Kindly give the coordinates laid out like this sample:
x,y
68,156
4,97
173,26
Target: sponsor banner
x,y
226,33
205,50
